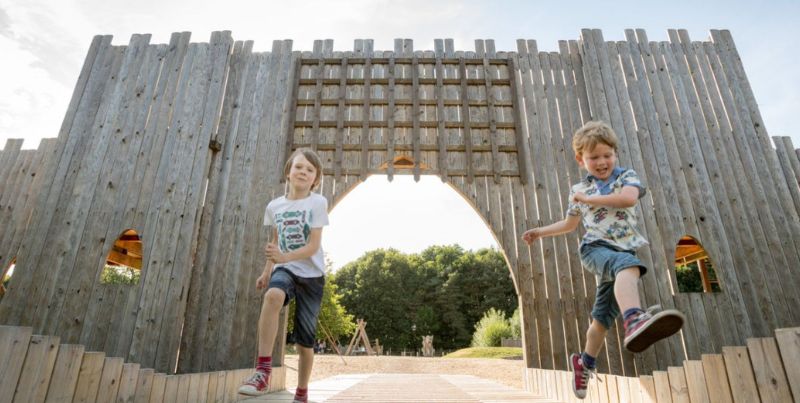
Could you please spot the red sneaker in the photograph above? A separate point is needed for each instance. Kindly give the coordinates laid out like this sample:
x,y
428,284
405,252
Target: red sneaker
x,y
256,385
581,376
646,328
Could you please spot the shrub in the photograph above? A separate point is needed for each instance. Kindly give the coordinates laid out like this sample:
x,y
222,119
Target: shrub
x,y
491,329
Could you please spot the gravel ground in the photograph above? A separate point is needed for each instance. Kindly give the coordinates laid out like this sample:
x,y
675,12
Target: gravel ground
x,y
506,372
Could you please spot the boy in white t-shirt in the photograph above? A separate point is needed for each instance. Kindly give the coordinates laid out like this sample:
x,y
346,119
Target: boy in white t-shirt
x,y
295,269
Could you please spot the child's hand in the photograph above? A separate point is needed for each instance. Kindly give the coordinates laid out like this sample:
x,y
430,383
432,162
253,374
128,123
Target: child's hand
x,y
579,197
261,282
531,235
274,253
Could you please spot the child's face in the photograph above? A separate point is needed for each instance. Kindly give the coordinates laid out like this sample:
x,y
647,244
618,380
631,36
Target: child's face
x,y
600,161
302,173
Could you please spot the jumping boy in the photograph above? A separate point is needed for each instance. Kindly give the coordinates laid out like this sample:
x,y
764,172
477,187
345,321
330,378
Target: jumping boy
x,y
605,202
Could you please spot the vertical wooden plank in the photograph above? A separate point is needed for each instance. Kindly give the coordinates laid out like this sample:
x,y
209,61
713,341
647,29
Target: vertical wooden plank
x,y
198,387
415,135
159,387
65,373
35,376
535,196
366,117
184,384
171,388
696,381
144,385
338,157
634,389
13,347
789,344
648,389
318,76
439,93
719,389
677,384
465,119
770,376
790,165
662,387
110,379
89,377
516,97
740,373
128,381
391,110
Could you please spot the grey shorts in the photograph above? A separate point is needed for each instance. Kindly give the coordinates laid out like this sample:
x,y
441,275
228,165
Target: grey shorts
x,y
307,293
605,261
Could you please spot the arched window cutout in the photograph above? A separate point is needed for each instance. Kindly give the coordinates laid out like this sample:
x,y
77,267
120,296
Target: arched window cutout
x,y
7,277
124,260
694,271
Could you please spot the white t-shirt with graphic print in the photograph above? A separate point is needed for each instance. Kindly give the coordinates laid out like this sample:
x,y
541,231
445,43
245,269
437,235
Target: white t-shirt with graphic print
x,y
615,226
294,220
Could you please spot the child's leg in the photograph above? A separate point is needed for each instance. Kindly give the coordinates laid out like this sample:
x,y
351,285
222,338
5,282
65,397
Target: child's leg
x,y
626,289
268,320
595,336
306,363
308,302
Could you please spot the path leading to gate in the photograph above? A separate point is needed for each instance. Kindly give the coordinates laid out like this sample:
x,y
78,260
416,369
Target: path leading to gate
x,y
389,388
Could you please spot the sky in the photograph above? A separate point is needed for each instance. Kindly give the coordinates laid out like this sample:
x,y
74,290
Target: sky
x,y
43,45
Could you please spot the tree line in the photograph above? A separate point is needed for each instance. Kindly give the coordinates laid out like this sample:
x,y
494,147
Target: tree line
x,y
443,291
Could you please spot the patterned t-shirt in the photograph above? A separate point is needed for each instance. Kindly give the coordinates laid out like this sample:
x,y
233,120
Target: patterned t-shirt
x,y
615,226
294,220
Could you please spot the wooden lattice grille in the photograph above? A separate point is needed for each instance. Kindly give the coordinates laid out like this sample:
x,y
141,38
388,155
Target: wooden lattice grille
x,y
450,116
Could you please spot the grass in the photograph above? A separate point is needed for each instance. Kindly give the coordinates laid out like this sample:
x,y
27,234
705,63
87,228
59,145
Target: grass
x,y
487,352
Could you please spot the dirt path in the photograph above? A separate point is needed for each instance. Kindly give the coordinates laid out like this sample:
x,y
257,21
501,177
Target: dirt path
x,y
506,372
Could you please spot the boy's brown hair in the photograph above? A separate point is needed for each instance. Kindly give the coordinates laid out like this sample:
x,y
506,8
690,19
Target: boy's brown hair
x,y
591,134
312,157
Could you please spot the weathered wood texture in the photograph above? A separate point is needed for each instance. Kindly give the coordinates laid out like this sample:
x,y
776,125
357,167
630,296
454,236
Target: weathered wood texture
x,y
185,144
39,369
764,371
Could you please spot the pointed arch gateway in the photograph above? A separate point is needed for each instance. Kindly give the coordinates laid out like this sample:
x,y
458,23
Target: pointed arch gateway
x,y
458,118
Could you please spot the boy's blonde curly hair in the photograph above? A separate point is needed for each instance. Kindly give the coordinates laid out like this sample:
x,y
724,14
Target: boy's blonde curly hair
x,y
591,134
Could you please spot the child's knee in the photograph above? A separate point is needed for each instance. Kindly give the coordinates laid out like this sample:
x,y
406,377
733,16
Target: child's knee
x,y
274,297
597,327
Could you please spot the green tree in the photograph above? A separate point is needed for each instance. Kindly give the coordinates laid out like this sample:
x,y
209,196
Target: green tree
x,y
689,278
442,291
113,274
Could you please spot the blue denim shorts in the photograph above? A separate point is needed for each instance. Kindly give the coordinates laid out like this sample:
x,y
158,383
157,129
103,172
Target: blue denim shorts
x,y
605,261
308,295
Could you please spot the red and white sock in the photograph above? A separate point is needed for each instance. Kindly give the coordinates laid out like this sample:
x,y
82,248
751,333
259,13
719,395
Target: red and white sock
x,y
301,395
264,365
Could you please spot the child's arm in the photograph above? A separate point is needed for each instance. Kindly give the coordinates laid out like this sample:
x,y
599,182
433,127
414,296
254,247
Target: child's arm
x,y
624,199
263,279
568,224
310,248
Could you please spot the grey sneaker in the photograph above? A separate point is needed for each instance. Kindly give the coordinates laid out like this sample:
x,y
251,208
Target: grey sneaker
x,y
646,328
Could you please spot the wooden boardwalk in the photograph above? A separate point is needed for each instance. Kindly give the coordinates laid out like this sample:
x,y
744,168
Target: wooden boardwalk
x,y
387,388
